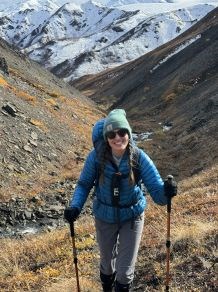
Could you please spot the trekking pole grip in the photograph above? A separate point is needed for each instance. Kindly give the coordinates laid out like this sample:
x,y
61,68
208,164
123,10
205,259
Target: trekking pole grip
x,y
169,179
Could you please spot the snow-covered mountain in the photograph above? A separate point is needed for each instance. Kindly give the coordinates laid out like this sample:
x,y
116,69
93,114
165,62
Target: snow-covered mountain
x,y
19,18
73,40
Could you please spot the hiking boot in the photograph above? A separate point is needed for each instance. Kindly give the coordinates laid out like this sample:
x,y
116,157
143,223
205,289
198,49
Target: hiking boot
x,y
123,287
107,282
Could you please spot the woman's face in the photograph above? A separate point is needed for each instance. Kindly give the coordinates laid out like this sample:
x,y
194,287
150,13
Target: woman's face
x,y
118,141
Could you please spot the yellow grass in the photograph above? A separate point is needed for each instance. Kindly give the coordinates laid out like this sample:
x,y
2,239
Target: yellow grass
x,y
45,262
52,102
3,82
195,231
25,96
38,124
20,93
36,261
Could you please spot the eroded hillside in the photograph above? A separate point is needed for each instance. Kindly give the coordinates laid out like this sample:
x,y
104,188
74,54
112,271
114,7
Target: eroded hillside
x,y
45,128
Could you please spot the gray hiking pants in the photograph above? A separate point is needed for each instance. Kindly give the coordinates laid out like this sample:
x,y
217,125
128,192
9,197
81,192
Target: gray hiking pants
x,y
119,245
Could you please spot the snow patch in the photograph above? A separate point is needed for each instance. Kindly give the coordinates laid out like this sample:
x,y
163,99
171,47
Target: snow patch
x,y
142,136
180,48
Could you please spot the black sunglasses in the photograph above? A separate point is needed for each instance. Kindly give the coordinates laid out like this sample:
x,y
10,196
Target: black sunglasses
x,y
120,132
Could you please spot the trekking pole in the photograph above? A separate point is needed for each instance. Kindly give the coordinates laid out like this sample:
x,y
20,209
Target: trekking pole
x,y
74,254
168,243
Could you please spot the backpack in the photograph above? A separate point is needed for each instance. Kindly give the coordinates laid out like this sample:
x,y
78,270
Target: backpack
x,y
98,138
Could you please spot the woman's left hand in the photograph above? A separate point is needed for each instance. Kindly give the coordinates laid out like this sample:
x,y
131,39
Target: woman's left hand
x,y
170,187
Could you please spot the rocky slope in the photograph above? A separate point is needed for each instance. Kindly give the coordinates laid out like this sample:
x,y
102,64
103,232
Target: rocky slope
x,y
45,135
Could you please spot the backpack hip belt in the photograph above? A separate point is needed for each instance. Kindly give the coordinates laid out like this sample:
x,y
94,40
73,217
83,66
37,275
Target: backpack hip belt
x,y
118,206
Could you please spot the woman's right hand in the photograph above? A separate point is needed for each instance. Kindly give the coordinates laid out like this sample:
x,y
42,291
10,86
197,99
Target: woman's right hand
x,y
71,214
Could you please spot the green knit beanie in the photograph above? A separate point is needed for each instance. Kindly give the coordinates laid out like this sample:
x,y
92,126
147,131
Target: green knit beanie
x,y
116,119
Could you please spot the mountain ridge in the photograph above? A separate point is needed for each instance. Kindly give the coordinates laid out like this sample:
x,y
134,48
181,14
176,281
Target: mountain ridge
x,y
72,42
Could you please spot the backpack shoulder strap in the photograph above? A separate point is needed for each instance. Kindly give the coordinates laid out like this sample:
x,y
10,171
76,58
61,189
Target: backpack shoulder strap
x,y
136,168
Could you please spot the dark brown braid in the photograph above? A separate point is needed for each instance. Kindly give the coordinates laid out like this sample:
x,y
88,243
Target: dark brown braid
x,y
105,156
132,162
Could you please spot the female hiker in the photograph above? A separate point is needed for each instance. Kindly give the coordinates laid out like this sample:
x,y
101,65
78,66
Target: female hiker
x,y
115,166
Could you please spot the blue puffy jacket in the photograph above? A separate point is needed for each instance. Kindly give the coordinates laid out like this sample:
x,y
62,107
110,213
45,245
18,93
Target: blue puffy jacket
x,y
132,200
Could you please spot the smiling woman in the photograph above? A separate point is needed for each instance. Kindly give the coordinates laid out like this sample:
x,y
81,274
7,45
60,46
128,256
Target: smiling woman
x,y
119,201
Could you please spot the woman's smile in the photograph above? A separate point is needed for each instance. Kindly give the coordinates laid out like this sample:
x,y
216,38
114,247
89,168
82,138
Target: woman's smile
x,y
119,144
